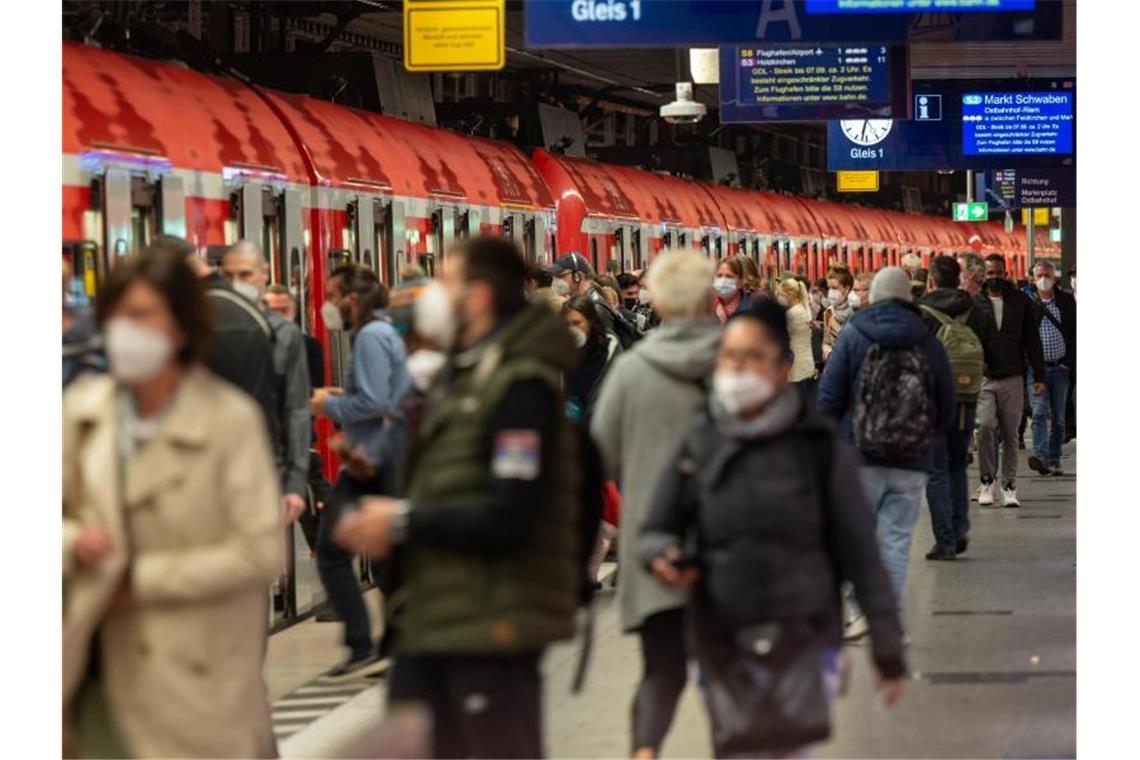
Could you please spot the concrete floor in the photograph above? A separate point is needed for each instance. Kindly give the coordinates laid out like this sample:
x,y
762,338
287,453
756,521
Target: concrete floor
x,y
993,659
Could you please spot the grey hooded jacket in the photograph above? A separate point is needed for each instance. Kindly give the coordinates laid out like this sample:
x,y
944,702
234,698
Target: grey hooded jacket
x,y
643,412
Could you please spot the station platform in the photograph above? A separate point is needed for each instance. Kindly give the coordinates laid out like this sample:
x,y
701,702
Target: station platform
x,y
992,658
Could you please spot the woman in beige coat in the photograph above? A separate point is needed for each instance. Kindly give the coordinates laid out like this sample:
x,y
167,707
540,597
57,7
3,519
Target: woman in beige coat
x,y
793,296
171,536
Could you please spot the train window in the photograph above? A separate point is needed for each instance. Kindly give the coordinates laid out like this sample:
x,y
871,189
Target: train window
x,y
339,258
594,253
296,285
528,241
142,226
636,244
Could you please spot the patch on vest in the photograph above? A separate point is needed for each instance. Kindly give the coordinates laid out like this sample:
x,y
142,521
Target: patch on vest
x,y
516,455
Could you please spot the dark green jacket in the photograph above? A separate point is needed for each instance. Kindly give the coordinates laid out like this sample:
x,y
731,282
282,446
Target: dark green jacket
x,y
467,603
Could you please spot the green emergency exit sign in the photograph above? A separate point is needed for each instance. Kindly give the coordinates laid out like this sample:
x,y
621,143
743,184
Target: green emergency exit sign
x,y
971,212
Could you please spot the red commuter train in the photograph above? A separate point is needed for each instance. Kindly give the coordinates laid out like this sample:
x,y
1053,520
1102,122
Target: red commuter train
x,y
151,147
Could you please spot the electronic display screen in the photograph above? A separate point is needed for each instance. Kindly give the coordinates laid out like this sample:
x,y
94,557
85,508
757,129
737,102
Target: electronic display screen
x,y
942,133
1017,123
917,6
790,82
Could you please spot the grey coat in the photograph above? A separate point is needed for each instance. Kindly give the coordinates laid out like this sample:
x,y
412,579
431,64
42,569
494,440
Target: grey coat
x,y
643,412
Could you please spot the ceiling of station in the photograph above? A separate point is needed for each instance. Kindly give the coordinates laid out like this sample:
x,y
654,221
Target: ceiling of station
x,y
647,74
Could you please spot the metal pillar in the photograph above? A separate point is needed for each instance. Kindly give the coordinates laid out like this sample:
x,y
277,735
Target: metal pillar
x,y
1068,241
1030,244
969,186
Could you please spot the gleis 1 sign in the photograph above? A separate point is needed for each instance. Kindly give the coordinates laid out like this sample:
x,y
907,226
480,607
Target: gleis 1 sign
x,y
606,10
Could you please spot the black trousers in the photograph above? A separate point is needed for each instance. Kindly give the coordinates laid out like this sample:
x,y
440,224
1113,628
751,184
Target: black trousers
x,y
481,706
335,567
662,680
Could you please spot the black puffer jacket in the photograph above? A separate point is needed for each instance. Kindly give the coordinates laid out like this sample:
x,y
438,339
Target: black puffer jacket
x,y
777,526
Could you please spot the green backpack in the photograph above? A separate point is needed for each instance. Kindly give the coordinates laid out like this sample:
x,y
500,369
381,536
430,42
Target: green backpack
x,y
964,348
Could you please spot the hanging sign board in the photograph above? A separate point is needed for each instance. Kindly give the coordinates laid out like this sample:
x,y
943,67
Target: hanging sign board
x,y
454,35
857,182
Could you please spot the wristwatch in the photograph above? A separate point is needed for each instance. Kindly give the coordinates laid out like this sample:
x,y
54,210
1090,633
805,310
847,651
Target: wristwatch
x,y
400,522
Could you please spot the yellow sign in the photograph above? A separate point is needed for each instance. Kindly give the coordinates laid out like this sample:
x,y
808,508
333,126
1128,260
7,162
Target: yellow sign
x,y
1040,217
454,35
858,182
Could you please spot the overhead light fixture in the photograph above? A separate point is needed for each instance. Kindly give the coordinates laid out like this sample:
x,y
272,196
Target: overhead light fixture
x,y
704,64
684,110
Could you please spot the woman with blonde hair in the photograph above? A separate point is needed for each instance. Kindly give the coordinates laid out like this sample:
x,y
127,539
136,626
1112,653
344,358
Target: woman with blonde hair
x,y
793,296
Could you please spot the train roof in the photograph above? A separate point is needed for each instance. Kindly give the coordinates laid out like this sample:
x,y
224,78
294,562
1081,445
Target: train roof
x,y
165,112
617,191
349,147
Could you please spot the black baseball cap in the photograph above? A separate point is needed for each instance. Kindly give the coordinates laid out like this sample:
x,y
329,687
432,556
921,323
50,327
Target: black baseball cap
x,y
570,262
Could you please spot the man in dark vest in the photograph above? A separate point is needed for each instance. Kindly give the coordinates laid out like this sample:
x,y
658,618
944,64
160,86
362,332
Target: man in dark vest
x,y
486,542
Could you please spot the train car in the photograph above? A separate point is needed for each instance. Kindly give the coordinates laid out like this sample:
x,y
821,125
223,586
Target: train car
x,y
619,217
154,148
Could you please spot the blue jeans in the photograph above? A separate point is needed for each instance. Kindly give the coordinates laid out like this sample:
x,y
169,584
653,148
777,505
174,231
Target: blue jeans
x,y
1049,412
894,495
947,493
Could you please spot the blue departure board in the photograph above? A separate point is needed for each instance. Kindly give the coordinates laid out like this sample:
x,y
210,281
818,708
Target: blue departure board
x,y
800,82
1017,123
917,6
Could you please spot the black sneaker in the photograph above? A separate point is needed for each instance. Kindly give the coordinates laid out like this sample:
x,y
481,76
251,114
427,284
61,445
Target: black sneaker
x,y
940,553
327,615
354,668
1038,466
962,545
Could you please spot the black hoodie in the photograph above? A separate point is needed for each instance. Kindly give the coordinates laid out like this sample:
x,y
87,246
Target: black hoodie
x,y
954,302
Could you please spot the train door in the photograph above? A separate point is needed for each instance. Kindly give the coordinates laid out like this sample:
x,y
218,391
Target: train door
x,y
133,208
377,223
441,238
271,217
528,231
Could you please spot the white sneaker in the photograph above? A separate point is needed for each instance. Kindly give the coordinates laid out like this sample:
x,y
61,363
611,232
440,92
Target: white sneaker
x,y
986,495
1009,496
856,629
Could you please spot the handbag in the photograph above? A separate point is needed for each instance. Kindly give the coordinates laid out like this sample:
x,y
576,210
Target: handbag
x,y
769,693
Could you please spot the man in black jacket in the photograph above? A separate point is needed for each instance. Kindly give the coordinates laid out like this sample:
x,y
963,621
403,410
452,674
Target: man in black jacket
x,y
1057,314
1015,343
947,494
575,271
241,348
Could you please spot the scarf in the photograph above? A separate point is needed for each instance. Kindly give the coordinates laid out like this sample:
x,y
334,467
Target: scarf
x,y
725,309
777,417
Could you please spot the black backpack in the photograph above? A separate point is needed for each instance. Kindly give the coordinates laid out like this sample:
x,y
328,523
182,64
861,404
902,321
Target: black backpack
x,y
895,412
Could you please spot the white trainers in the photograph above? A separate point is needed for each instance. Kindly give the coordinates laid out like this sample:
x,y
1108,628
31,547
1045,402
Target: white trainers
x,y
986,495
1009,496
856,629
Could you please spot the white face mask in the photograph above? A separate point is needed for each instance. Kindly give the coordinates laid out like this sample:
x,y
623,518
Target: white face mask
x,y
725,286
741,391
560,287
331,316
853,300
423,366
250,291
1045,284
136,354
645,298
434,315
579,336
